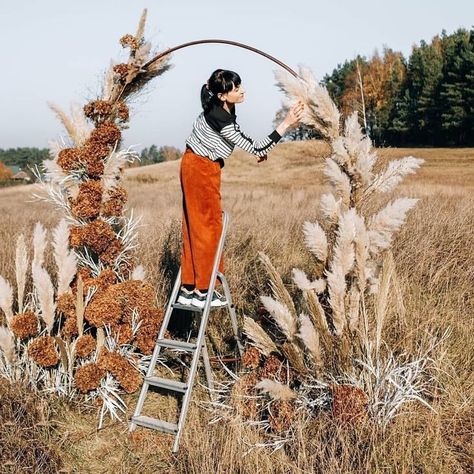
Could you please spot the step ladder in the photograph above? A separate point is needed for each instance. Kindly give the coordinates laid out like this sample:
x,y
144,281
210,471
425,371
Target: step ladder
x,y
197,348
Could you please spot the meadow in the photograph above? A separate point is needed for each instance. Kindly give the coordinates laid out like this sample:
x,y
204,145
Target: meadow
x,y
268,204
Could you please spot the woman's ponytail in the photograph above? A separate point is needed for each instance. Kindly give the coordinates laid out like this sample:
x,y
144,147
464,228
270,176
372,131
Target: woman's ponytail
x,y
221,81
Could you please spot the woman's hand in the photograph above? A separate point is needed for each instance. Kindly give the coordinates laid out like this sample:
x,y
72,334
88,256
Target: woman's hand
x,y
292,119
294,115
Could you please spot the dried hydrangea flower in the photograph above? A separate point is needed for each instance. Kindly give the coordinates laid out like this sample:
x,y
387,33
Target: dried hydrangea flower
x,y
271,368
127,376
69,159
98,235
122,112
24,325
102,310
282,414
121,70
113,206
106,133
349,403
151,320
43,351
88,377
88,201
98,109
85,345
251,358
66,304
69,329
242,395
110,254
75,236
129,41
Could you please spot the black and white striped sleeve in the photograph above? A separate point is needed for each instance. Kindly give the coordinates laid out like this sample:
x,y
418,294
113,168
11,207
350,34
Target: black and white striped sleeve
x,y
232,133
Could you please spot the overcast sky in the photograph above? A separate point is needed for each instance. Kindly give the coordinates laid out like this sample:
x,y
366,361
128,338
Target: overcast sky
x,y
58,50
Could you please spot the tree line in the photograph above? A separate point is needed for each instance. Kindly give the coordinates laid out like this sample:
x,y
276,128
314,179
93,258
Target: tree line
x,y
425,100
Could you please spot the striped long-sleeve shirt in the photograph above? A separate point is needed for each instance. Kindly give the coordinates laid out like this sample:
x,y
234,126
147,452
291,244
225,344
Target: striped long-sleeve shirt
x,y
216,133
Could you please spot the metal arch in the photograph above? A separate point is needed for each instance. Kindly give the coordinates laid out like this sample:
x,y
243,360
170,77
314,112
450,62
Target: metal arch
x,y
233,43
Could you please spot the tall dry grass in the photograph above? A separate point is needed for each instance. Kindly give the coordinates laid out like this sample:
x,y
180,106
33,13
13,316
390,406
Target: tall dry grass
x,y
268,204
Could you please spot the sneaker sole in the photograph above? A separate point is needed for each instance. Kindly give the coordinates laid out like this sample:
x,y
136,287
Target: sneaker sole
x,y
184,301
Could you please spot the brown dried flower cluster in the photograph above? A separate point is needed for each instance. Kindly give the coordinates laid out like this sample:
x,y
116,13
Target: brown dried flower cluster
x,y
88,201
251,358
106,133
87,280
122,70
127,376
113,206
98,110
69,329
282,414
129,41
271,369
24,325
85,345
66,304
98,235
69,159
152,318
111,253
88,377
122,111
43,351
102,310
348,403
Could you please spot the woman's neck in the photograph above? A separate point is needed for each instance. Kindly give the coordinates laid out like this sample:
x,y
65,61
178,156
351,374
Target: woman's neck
x,y
228,107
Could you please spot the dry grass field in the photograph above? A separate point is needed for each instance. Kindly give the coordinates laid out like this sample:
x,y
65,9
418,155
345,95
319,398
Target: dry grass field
x,y
268,204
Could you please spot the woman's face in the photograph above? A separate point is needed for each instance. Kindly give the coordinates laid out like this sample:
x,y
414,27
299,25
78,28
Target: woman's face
x,y
235,96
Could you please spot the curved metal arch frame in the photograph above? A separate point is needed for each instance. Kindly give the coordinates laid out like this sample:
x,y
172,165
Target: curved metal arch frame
x,y
221,41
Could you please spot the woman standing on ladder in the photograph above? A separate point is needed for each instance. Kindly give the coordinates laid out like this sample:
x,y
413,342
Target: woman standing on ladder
x,y
214,135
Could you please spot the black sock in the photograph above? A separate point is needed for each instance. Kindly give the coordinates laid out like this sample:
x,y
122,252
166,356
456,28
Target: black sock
x,y
204,290
188,287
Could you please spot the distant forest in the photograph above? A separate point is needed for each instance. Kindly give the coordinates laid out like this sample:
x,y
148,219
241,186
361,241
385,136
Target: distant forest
x,y
425,100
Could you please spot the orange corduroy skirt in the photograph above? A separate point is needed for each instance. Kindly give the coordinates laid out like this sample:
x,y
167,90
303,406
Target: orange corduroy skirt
x,y
202,218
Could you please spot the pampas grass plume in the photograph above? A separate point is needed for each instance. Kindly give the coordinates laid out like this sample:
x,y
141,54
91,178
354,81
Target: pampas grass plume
x,y
39,244
7,344
44,287
21,268
316,241
276,390
282,316
260,339
6,298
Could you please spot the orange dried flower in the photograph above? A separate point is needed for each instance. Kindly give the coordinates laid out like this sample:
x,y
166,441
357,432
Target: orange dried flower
x,y
121,70
43,351
68,159
282,414
129,41
271,368
102,310
88,201
241,392
88,377
123,112
106,278
69,329
99,235
110,254
127,376
124,334
85,345
113,206
152,319
98,109
106,133
66,304
24,325
251,358
348,402
75,236
87,281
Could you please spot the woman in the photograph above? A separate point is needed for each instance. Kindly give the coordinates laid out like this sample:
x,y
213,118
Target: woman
x,y
214,135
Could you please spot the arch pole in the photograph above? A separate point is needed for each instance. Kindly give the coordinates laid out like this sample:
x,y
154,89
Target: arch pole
x,y
220,41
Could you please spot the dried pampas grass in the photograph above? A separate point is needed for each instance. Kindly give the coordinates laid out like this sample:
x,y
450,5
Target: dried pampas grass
x,y
282,316
258,337
6,298
7,344
39,244
45,291
276,390
66,260
21,269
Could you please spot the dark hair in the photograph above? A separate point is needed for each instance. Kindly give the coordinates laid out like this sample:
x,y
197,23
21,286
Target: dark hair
x,y
221,81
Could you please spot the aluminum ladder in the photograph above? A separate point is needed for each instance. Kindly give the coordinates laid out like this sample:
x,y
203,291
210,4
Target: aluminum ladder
x,y
198,348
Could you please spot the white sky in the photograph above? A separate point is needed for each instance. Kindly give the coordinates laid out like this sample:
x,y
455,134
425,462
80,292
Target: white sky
x,y
57,50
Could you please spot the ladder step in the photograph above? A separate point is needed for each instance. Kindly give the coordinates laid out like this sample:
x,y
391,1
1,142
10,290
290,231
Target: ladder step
x,y
187,307
167,383
155,424
171,344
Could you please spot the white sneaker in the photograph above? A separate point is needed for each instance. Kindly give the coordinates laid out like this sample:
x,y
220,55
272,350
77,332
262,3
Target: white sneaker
x,y
185,296
199,299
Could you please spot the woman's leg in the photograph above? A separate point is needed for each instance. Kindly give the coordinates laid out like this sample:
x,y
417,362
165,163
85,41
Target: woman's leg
x,y
201,181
